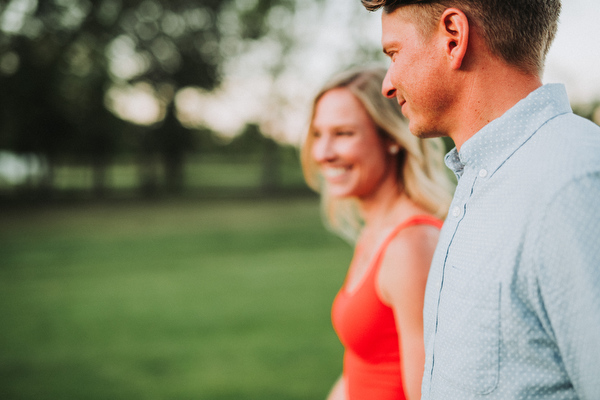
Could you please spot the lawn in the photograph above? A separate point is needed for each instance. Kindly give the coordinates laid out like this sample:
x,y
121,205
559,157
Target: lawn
x,y
226,300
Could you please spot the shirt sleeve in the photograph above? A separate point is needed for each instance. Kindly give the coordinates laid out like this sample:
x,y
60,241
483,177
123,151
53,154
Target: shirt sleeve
x,y
569,279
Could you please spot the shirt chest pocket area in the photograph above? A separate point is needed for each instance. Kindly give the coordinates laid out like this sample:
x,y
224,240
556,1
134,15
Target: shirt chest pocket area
x,y
467,343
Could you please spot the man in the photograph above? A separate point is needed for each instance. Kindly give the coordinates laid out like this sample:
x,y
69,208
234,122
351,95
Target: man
x,y
512,307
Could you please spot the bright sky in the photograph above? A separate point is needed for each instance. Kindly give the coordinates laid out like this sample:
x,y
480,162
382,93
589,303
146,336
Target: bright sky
x,y
574,58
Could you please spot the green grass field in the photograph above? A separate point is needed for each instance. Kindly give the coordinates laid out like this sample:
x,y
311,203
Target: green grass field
x,y
168,300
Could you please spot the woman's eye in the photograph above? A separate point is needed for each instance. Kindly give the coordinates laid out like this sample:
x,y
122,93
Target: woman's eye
x,y
344,133
316,134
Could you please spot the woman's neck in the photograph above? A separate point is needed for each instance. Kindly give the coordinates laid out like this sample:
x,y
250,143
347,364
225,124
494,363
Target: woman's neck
x,y
385,206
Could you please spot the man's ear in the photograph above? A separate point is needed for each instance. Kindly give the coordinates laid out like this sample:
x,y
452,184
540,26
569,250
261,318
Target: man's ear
x,y
454,27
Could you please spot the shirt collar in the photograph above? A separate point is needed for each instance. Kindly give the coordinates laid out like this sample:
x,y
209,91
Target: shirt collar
x,y
490,147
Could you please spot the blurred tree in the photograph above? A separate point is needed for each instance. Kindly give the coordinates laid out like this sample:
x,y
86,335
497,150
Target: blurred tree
x,y
60,60
54,88
174,140
590,110
30,104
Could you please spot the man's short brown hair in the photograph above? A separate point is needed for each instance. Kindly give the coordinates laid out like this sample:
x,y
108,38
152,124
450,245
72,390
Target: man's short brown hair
x,y
518,31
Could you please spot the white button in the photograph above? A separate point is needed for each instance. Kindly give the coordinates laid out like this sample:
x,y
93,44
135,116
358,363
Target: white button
x,y
483,173
456,211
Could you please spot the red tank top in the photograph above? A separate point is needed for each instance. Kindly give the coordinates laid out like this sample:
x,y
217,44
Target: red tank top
x,y
367,329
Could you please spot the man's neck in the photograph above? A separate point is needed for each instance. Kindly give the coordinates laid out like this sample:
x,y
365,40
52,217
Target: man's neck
x,y
487,94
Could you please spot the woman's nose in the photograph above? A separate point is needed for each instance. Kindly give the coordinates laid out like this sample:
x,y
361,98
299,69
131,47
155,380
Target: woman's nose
x,y
322,150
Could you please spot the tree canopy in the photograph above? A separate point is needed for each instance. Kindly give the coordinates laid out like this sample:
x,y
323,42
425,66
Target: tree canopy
x,y
65,64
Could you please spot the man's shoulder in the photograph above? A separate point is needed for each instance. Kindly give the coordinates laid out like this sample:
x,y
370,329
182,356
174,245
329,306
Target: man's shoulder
x,y
572,124
563,150
567,143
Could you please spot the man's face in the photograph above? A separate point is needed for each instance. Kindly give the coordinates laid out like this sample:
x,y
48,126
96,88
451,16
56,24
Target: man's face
x,y
417,75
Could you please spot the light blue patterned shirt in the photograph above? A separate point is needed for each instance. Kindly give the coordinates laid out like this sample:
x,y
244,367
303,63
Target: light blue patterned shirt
x,y
512,307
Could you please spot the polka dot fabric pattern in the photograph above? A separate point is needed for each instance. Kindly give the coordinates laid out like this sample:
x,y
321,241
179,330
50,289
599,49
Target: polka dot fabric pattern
x,y
512,307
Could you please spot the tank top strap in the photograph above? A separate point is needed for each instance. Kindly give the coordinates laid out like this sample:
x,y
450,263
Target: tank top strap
x,y
420,219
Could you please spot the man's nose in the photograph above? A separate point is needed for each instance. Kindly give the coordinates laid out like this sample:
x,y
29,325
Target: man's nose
x,y
387,89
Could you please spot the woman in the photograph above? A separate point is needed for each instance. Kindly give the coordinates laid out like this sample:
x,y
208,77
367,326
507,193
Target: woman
x,y
387,191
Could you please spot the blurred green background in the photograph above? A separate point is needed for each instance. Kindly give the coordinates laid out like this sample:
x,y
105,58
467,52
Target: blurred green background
x,y
145,253
175,299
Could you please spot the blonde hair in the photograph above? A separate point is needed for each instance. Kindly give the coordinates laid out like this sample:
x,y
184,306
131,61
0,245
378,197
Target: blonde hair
x,y
422,174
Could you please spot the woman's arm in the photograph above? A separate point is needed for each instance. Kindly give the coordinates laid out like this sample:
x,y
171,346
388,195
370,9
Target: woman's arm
x,y
338,391
401,283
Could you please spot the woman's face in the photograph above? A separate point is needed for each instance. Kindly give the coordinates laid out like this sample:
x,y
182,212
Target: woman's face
x,y
351,155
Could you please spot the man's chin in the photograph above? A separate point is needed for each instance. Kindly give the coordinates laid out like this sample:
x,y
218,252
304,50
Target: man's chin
x,y
423,133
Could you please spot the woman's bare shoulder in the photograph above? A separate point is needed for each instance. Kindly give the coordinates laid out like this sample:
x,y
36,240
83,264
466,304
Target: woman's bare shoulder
x,y
406,260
